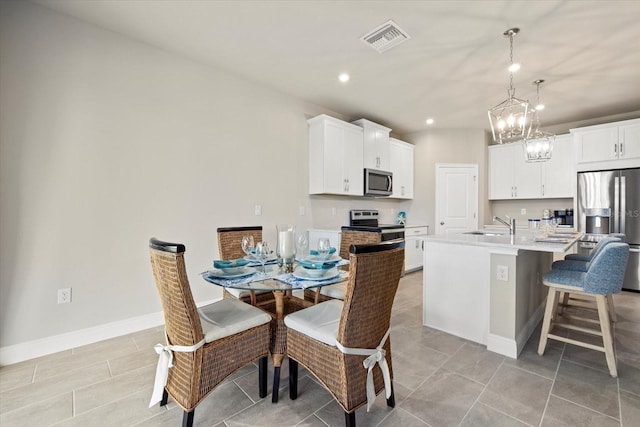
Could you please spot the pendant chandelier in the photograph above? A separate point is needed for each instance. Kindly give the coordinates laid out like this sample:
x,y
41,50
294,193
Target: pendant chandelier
x,y
509,118
539,144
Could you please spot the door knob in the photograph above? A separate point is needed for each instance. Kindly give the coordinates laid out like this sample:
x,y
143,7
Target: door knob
x,y
441,222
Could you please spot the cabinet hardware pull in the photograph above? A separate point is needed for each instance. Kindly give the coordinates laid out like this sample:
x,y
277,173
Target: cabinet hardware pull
x,y
621,149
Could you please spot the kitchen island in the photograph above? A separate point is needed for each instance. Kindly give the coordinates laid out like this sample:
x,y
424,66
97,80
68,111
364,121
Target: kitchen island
x,y
487,287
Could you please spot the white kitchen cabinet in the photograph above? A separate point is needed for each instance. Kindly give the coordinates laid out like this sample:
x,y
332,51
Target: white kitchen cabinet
x,y
414,247
510,176
335,157
376,145
401,165
559,172
611,145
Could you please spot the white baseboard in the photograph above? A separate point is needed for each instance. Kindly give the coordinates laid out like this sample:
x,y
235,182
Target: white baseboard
x,y
501,345
53,344
531,325
510,347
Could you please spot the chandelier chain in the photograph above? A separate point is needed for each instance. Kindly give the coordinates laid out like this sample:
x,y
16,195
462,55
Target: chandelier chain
x,y
512,90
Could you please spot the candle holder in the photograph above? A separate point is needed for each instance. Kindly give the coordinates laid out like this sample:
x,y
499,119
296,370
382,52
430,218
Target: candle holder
x,y
286,246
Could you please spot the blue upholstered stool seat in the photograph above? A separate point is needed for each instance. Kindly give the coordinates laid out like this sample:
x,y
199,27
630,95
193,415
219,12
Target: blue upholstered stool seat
x,y
602,278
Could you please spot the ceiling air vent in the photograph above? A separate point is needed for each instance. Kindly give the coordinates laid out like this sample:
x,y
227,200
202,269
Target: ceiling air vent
x,y
385,36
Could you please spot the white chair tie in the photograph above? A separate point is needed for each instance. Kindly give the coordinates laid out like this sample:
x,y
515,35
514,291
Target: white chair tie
x,y
165,361
375,356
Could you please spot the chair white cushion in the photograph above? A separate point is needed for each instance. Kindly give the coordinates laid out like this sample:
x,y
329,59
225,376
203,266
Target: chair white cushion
x,y
334,291
319,322
241,293
228,317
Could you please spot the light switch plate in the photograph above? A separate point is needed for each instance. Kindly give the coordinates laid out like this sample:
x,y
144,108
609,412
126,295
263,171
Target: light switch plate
x,y
258,210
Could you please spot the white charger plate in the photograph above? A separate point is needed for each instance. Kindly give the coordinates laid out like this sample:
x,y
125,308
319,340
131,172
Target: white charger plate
x,y
301,273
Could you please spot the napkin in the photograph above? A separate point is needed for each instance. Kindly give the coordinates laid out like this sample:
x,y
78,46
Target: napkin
x,y
314,252
316,264
289,279
240,262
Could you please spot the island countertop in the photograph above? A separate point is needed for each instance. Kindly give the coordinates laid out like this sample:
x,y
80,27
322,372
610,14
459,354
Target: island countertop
x,y
523,239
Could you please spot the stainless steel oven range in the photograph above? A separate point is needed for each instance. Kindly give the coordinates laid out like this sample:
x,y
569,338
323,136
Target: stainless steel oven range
x,y
367,220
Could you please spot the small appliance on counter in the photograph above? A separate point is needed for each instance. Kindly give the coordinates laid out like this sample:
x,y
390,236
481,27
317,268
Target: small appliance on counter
x,y
564,217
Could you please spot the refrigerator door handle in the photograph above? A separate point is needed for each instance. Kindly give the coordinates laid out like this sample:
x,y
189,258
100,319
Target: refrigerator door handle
x,y
616,205
623,204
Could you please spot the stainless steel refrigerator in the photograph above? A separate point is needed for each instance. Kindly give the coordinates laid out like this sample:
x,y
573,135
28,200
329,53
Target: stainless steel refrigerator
x,y
609,202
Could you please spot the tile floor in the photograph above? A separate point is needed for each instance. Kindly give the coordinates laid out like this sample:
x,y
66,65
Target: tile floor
x,y
440,380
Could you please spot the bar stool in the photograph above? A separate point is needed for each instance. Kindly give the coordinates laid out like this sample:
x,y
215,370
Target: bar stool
x,y
580,262
603,277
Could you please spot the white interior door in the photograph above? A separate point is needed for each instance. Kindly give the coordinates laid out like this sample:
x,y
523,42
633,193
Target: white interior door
x,y
456,198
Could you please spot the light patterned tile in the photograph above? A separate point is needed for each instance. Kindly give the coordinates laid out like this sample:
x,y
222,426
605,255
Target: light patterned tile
x,y
443,399
93,396
41,413
588,387
400,417
22,396
562,413
85,356
517,393
311,397
475,362
630,409
127,411
11,378
484,416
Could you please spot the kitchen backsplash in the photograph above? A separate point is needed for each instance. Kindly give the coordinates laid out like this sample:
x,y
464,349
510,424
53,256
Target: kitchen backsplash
x,y
534,208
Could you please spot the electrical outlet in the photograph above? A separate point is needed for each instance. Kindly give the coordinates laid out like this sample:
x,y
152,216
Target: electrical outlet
x,y
523,211
334,211
64,296
301,210
502,273
258,210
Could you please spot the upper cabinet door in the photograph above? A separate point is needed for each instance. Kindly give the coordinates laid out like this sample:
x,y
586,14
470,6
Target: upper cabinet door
x,y
629,136
376,145
608,146
501,172
598,144
559,173
335,157
401,165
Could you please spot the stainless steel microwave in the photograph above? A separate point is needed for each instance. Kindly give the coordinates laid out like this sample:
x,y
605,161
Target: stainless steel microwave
x,y
378,183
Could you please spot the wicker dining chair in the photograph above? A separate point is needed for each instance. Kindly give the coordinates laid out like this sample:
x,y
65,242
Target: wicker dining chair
x,y
347,238
333,339
230,247
203,346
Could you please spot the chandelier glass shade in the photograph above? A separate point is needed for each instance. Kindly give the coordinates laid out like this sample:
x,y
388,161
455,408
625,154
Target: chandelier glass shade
x,y
538,145
510,119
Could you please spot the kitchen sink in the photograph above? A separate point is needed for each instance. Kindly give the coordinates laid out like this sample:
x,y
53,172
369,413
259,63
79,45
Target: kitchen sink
x,y
484,233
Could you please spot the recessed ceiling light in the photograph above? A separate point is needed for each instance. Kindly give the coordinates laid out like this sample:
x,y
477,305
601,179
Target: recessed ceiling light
x,y
429,121
540,107
344,77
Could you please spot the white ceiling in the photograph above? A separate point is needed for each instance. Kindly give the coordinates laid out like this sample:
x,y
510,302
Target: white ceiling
x,y
453,68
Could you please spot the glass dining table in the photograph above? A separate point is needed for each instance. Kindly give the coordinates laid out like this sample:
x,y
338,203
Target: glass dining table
x,y
282,285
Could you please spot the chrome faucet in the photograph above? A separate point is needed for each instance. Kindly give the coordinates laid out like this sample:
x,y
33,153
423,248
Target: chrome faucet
x,y
511,224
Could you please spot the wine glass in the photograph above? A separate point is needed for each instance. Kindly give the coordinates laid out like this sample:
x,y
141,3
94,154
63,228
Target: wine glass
x,y
324,245
262,253
302,245
248,245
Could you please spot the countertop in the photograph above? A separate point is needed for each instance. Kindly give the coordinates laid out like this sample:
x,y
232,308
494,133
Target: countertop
x,y
523,239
